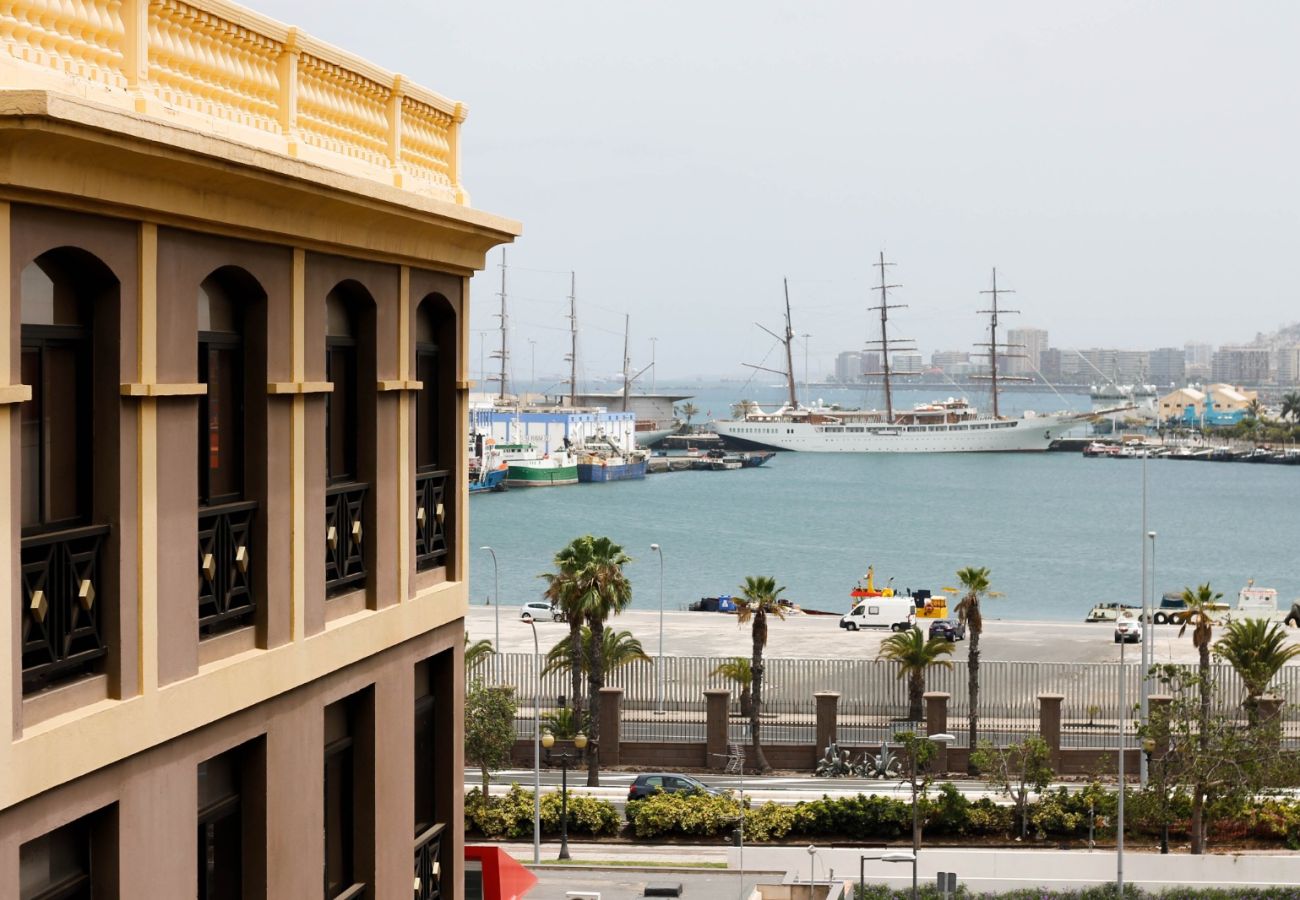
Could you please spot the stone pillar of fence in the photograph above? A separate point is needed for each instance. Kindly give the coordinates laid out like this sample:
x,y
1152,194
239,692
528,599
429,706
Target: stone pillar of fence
x,y
1049,725
828,712
716,704
1270,710
611,708
1158,715
936,722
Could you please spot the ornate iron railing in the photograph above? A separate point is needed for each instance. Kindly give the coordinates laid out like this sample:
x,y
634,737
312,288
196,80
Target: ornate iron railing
x,y
428,863
345,558
62,597
430,535
226,596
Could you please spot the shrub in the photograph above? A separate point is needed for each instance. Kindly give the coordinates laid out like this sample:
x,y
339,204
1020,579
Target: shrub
x,y
511,816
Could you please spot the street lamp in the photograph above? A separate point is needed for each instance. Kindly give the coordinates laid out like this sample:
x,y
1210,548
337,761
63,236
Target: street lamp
x,y
1148,750
892,857
659,663
496,606
942,740
537,746
1148,637
1119,835
579,744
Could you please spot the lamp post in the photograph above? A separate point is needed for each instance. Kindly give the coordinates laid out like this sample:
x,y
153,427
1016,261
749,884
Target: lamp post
x,y
940,739
892,857
1119,833
659,663
496,608
537,746
1148,750
1148,638
579,744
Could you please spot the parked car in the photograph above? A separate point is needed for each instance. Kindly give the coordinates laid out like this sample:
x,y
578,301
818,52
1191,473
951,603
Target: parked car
x,y
670,783
1128,631
948,629
540,609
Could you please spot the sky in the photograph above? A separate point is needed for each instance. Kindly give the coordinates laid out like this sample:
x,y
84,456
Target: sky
x,y
1129,168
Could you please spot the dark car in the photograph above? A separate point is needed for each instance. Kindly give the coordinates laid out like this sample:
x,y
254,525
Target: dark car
x,y
948,630
645,785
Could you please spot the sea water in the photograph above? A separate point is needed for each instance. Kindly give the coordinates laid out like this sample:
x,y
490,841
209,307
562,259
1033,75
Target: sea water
x,y
1057,531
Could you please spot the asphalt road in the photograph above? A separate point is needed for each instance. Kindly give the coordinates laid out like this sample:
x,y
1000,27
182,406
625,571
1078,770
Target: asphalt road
x,y
718,634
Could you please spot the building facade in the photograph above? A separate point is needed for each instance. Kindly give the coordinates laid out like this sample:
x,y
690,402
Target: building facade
x,y
233,421
849,367
1241,365
1168,367
1027,346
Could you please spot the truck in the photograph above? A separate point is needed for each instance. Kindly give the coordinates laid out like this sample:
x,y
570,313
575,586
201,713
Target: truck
x,y
894,613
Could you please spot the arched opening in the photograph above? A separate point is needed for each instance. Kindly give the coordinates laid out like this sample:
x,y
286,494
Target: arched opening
x,y
349,435
435,430
68,308
231,363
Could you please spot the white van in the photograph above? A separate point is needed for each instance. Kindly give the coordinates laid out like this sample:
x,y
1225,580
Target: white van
x,y
894,613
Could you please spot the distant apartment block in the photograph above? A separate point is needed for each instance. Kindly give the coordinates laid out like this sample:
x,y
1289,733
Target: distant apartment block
x,y
1027,346
1288,365
907,363
951,362
848,367
1168,367
1240,365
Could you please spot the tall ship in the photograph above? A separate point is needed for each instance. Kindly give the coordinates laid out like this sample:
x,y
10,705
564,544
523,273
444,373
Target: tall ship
x,y
948,426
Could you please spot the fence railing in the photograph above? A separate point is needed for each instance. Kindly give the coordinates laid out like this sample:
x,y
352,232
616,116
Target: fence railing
x,y
430,535
345,557
61,634
871,694
245,76
226,597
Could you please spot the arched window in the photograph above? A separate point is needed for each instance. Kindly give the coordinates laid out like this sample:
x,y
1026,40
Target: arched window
x,y
221,409
341,404
426,401
434,345
349,435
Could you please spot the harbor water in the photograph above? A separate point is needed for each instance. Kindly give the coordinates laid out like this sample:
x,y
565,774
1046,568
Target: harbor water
x,y
1058,532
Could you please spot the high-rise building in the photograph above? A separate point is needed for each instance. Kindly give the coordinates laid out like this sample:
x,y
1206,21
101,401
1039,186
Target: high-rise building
x,y
1241,366
1050,364
951,362
1027,347
235,515
848,367
1168,367
1288,365
1198,355
907,362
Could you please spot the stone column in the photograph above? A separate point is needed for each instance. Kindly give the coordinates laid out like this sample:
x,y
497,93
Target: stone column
x,y
828,703
936,722
715,728
1049,725
611,708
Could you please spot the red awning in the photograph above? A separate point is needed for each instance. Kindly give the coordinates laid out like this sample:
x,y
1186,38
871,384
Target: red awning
x,y
503,877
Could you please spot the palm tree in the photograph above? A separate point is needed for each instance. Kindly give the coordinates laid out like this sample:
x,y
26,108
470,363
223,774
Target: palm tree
x,y
760,597
476,652
1255,409
689,410
619,650
1256,649
1200,604
1291,406
742,408
739,670
975,582
914,653
590,586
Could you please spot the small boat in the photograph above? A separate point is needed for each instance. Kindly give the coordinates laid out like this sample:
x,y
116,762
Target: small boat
x,y
722,604
600,460
1109,612
487,468
755,458
530,468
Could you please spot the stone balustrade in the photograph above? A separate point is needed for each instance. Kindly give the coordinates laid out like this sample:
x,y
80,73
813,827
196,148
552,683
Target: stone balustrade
x,y
222,69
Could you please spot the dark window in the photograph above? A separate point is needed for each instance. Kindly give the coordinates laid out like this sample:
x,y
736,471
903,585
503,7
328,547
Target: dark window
x,y
220,829
425,750
221,409
348,787
56,422
341,403
426,400
75,862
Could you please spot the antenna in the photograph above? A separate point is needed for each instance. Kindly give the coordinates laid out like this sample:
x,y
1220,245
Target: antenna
x,y
502,354
993,314
885,343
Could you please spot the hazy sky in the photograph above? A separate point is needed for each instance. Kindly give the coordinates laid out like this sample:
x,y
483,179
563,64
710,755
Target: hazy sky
x,y
1131,169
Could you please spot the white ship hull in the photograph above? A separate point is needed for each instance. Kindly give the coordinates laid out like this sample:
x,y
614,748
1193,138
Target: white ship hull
x,y
1033,433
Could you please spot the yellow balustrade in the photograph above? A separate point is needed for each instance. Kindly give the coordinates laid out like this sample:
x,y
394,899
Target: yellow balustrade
x,y
226,70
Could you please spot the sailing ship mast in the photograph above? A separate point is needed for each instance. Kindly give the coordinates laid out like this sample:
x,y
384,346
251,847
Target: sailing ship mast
x,y
787,341
885,343
502,353
627,382
993,312
573,339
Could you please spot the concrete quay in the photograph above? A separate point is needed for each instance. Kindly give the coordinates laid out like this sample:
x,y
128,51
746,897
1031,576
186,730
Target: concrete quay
x,y
805,636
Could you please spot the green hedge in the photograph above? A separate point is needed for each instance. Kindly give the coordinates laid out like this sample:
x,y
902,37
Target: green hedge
x,y
1058,814
511,814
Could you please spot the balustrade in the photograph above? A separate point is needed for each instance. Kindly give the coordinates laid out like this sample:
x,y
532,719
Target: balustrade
x,y
226,596
62,597
345,558
428,863
430,533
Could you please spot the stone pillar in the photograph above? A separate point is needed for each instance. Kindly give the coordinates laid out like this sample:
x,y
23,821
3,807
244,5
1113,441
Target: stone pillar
x,y
716,704
611,708
1049,725
1270,710
1158,716
828,706
936,722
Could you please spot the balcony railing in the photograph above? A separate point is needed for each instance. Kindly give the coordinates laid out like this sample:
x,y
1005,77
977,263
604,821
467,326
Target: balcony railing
x,y
345,558
428,863
233,72
430,535
226,596
62,597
